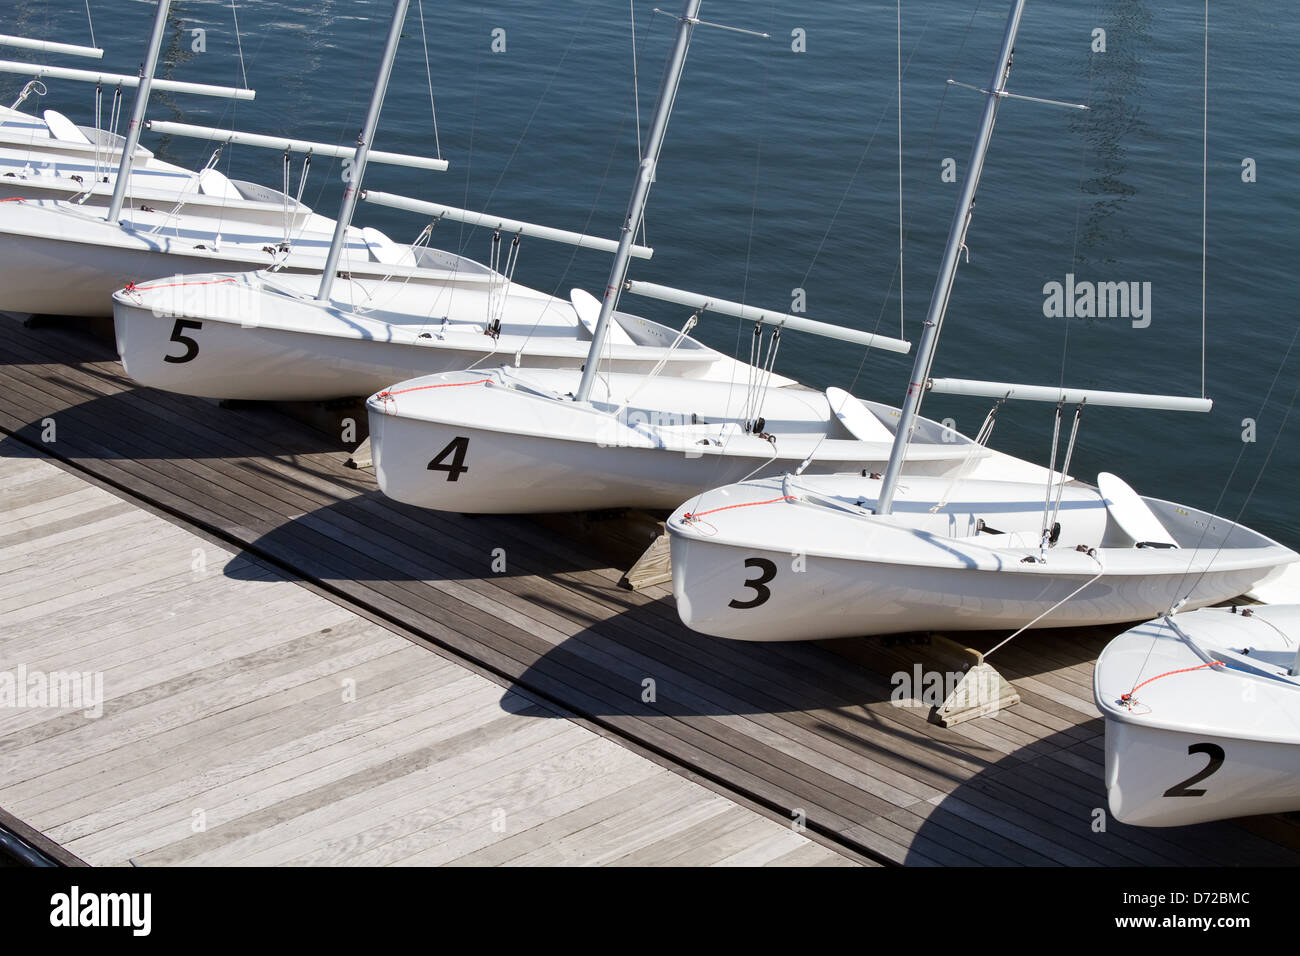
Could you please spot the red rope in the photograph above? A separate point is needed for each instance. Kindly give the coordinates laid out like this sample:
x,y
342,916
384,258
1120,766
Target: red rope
x,y
13,199
132,287
418,388
744,504
1185,670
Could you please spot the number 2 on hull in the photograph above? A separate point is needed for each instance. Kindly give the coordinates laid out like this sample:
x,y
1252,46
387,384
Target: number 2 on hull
x,y
1184,789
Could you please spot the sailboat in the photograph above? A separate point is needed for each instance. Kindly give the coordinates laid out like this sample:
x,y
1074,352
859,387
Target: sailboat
x,y
592,439
68,256
271,335
51,157
804,557
1202,716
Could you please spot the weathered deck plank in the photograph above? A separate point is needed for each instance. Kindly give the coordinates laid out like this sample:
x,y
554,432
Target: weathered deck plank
x,y
223,696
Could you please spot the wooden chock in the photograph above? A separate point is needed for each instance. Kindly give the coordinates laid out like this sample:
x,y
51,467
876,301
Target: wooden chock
x,y
980,692
653,567
360,457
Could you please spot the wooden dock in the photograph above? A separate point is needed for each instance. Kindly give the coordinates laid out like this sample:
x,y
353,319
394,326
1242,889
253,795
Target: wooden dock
x,y
319,739
752,735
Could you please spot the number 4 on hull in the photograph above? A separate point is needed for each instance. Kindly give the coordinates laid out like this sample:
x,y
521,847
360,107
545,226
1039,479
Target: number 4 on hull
x,y
456,450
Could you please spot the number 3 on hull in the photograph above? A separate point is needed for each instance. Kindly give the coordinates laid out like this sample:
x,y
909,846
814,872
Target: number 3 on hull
x,y
766,572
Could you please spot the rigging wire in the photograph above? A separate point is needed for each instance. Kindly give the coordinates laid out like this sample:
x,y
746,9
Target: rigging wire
x,y
239,43
1205,133
1065,465
531,116
636,94
615,141
898,28
1101,569
749,242
929,147
91,22
1051,477
1240,511
428,73
866,149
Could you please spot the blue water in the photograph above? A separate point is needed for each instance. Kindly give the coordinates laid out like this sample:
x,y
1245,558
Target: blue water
x,y
781,172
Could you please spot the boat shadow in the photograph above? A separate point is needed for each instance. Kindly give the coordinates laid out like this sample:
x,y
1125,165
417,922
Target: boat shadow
x,y
97,415
78,339
1056,793
368,539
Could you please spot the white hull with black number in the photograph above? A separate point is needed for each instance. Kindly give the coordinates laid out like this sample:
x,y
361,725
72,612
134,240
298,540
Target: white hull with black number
x,y
262,336
785,559
1189,741
512,440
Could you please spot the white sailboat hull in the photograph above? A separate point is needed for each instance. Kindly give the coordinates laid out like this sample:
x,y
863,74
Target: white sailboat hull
x,y
260,336
528,449
539,474
1144,764
61,259
264,363
817,572
58,277
270,215
1192,742
852,598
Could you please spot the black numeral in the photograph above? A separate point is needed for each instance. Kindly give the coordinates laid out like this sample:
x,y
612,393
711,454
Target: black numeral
x,y
766,572
191,346
456,467
1216,755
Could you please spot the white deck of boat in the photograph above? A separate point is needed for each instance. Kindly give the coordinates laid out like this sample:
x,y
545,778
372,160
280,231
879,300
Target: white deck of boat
x,y
226,737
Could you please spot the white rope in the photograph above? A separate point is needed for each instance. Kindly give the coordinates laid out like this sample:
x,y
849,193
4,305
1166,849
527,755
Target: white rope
x,y
191,183
102,157
972,455
302,178
765,374
755,353
1092,553
99,152
368,305
115,114
501,280
30,87
512,260
1051,478
659,366
284,195
1065,465
91,22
